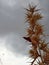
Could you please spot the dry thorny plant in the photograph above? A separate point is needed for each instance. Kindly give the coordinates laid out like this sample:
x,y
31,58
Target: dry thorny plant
x,y
35,35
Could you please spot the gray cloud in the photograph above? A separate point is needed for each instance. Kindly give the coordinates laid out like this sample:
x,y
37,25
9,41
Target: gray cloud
x,y
17,44
45,10
12,20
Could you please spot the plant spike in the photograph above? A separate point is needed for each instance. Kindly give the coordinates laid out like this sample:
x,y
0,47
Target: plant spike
x,y
34,32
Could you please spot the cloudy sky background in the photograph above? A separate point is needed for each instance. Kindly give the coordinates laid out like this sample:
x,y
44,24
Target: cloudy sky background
x,y
12,27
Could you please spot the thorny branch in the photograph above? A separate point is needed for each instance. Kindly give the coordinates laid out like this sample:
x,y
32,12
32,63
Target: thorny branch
x,y
34,33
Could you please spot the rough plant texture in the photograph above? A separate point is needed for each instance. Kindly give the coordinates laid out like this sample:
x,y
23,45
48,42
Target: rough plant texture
x,y
36,37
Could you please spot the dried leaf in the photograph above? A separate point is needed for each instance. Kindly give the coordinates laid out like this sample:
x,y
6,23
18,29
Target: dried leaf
x,y
30,32
46,58
35,40
39,29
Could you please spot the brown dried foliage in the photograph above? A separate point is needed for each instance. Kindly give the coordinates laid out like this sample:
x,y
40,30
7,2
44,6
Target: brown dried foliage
x,y
34,32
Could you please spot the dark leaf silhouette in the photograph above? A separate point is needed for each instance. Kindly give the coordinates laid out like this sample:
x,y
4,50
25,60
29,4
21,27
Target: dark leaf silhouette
x,y
27,38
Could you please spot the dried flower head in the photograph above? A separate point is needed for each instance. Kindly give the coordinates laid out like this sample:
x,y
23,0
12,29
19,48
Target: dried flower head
x,y
35,40
39,29
30,32
46,58
34,31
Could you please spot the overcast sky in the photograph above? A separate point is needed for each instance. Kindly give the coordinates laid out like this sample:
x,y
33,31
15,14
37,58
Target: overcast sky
x,y
12,27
